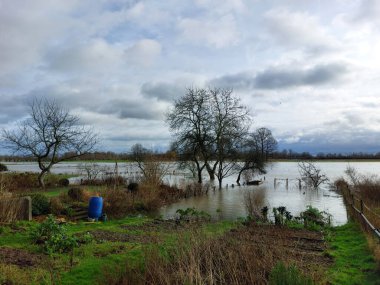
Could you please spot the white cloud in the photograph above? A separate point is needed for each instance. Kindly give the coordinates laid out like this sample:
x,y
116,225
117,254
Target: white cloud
x,y
216,33
144,52
299,30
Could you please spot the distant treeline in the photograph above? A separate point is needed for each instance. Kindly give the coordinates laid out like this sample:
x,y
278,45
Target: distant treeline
x,y
287,154
96,156
290,154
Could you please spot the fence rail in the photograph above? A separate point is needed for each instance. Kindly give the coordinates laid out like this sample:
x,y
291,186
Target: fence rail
x,y
361,212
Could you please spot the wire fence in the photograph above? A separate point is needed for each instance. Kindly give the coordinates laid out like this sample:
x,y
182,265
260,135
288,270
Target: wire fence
x,y
361,212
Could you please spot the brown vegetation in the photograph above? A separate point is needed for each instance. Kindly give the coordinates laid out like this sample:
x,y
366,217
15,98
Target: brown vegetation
x,y
243,256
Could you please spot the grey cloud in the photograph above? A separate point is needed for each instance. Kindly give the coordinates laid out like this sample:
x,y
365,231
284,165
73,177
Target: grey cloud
x,y
337,137
283,78
12,108
127,109
239,81
318,75
162,91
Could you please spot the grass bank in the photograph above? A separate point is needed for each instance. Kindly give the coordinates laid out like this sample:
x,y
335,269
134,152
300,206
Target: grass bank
x,y
353,260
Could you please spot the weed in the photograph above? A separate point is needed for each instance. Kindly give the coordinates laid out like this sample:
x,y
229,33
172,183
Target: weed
x,y
288,275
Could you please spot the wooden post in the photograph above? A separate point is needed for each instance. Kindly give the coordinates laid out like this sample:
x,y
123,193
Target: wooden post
x,y
287,182
299,184
275,180
361,206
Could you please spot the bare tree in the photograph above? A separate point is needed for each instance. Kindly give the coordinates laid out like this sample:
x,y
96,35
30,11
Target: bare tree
x,y
252,161
230,123
265,142
91,170
50,132
190,124
257,148
208,126
311,174
353,175
152,168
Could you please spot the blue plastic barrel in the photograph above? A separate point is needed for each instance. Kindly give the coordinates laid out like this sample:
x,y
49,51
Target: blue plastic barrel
x,y
95,207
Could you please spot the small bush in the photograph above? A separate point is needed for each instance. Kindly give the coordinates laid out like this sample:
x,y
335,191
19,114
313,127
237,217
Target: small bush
x,y
113,180
64,182
282,275
3,167
76,194
313,218
40,204
191,214
117,203
56,206
149,197
53,237
254,202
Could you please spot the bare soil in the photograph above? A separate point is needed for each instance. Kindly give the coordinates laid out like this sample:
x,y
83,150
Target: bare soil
x,y
100,236
19,257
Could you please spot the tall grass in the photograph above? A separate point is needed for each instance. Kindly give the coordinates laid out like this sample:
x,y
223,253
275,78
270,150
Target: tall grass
x,y
254,202
10,205
197,259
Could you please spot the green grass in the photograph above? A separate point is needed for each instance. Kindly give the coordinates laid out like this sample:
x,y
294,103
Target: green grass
x,y
95,263
353,261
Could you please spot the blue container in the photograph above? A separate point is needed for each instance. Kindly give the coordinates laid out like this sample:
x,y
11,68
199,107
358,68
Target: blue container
x,y
95,207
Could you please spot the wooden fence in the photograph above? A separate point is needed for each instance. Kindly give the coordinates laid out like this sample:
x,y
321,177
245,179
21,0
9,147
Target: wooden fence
x,y
361,212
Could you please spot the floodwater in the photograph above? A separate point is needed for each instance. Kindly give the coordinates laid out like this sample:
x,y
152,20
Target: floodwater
x,y
228,203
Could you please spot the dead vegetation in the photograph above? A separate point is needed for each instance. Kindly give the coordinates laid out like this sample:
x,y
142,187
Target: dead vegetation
x,y
242,256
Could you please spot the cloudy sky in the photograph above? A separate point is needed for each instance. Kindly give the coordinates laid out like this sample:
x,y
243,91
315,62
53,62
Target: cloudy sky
x,y
308,70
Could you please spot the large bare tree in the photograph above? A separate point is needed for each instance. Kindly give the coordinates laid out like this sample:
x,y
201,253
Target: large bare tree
x,y
48,133
208,125
230,124
190,124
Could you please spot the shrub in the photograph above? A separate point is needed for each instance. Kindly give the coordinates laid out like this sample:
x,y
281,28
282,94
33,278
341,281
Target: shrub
x,y
369,190
313,217
56,206
3,167
10,207
40,204
149,197
76,194
282,216
191,214
282,275
117,203
53,237
64,182
113,180
254,201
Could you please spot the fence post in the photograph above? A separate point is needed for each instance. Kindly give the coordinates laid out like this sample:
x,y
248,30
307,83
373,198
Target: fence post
x,y
361,206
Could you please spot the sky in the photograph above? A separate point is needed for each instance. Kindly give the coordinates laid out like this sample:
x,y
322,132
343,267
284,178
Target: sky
x,y
307,70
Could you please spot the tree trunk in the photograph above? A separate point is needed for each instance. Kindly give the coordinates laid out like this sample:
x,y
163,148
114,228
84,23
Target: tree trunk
x,y
239,175
220,183
211,172
199,175
41,178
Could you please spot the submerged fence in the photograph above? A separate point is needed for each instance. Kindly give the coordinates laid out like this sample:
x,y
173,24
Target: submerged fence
x,y
360,211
